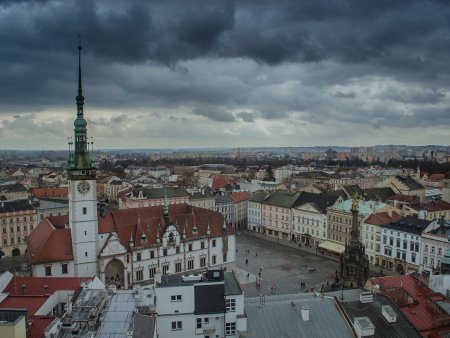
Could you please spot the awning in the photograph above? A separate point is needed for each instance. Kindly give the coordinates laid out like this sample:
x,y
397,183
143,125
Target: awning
x,y
332,246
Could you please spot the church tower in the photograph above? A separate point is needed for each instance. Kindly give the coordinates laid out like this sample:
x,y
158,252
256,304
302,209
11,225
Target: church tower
x,y
81,171
354,262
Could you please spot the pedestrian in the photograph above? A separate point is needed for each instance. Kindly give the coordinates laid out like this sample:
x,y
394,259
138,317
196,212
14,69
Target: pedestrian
x,y
246,261
256,254
248,276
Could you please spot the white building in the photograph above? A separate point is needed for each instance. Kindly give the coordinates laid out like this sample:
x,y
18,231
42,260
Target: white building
x,y
434,243
309,218
209,305
371,233
400,244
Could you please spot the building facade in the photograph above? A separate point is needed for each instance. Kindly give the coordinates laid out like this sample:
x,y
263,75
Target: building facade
x,y
400,244
209,305
17,220
277,214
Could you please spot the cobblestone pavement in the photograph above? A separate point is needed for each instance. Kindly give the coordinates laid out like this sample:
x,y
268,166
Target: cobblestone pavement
x,y
283,268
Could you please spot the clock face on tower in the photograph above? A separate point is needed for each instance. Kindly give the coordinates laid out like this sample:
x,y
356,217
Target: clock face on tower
x,y
83,187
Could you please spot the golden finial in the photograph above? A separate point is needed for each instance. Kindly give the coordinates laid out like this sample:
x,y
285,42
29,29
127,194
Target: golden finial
x,y
355,202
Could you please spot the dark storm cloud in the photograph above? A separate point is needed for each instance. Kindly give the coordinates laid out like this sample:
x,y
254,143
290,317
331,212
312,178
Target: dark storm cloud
x,y
245,116
214,114
320,59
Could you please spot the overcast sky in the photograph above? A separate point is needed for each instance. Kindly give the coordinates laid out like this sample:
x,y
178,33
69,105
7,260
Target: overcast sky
x,y
160,74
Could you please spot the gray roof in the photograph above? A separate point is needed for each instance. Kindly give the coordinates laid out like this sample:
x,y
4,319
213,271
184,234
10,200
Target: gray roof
x,y
276,317
231,284
321,201
51,204
144,326
118,317
160,192
401,328
258,197
410,182
17,205
409,224
223,199
282,198
16,187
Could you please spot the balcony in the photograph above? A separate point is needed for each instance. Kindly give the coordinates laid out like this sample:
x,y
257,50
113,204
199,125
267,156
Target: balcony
x,y
209,329
206,329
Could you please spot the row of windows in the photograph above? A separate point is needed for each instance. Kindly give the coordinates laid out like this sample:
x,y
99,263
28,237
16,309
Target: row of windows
x,y
18,219
307,220
165,267
13,240
413,246
177,250
425,249
18,228
230,328
64,269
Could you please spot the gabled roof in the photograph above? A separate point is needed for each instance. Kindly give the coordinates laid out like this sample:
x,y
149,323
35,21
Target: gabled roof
x,y
320,201
223,199
431,206
159,193
240,196
410,224
220,182
15,187
404,198
284,199
14,206
351,190
51,241
50,192
42,286
258,197
378,194
409,182
381,218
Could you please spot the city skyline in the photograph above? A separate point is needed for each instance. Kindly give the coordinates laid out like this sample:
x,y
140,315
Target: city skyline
x,y
225,74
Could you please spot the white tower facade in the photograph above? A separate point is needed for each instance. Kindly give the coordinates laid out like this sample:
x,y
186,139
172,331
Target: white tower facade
x,y
81,170
84,226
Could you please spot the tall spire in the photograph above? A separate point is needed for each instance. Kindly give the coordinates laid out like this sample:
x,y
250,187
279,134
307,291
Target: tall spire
x,y
80,97
81,157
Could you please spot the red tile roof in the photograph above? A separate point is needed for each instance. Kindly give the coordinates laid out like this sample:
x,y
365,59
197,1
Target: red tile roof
x,y
381,218
439,205
221,182
52,242
40,286
403,198
37,326
50,192
182,215
240,196
415,300
30,303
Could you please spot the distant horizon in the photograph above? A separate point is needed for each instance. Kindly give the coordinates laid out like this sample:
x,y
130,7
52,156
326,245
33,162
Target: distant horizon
x,y
236,148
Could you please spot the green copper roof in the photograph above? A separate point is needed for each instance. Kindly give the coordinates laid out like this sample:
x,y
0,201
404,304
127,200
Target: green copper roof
x,y
364,207
446,258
